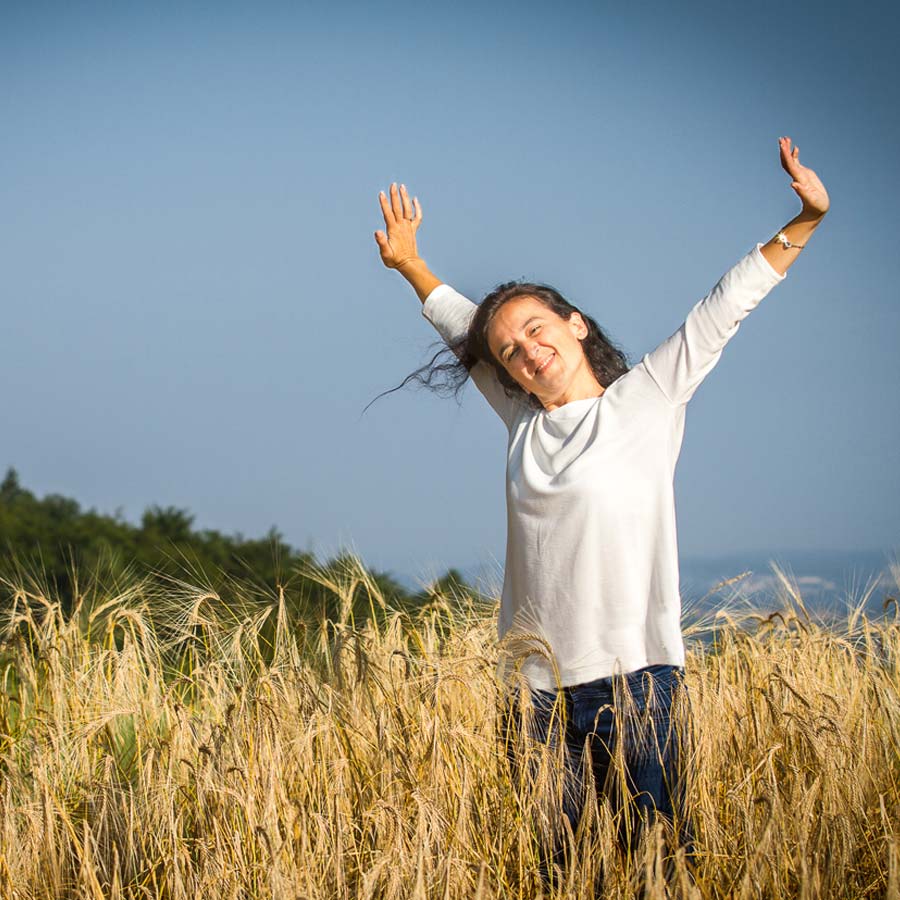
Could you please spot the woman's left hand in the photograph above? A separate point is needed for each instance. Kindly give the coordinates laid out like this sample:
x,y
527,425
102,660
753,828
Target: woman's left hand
x,y
805,182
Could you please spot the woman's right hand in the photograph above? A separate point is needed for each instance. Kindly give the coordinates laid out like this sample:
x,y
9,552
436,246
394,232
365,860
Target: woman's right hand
x,y
402,218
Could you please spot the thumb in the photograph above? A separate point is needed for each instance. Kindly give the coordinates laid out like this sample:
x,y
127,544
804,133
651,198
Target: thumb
x,y
384,245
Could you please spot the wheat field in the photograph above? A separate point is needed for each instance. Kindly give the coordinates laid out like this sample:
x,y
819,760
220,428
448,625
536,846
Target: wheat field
x,y
175,742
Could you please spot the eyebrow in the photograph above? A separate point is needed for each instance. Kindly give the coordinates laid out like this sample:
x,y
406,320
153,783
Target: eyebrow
x,y
508,344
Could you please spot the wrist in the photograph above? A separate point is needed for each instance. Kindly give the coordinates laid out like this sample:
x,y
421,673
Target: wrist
x,y
420,277
811,216
409,262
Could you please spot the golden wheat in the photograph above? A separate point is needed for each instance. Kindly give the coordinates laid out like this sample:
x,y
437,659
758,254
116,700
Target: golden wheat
x,y
180,744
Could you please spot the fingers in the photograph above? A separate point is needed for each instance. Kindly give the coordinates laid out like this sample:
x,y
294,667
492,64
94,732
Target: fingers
x,y
386,210
407,206
790,158
784,147
399,207
396,204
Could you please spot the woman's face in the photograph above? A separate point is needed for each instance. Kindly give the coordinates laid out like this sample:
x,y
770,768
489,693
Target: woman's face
x,y
541,351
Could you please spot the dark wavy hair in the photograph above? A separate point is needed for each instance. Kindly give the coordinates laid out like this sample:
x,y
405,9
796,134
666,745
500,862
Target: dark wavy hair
x,y
448,370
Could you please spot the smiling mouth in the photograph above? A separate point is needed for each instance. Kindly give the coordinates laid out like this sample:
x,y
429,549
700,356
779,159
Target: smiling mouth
x,y
541,368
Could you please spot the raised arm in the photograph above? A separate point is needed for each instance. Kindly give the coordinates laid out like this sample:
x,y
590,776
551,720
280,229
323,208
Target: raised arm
x,y
447,310
397,243
681,362
783,249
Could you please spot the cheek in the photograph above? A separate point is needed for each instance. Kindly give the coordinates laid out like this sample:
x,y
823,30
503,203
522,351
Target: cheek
x,y
518,376
508,371
514,372
499,366
575,347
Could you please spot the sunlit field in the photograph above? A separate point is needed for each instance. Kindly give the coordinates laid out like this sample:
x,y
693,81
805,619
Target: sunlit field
x,y
175,742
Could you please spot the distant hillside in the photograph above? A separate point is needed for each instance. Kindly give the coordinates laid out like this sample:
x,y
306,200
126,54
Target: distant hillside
x,y
827,581
52,542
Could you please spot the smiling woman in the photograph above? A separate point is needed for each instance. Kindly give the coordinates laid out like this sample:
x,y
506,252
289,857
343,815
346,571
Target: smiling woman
x,y
591,586
543,348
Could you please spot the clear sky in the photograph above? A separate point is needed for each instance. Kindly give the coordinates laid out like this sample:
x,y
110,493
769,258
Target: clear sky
x,y
195,312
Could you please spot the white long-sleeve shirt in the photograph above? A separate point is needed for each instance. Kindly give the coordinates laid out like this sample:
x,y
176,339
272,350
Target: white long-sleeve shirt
x,y
591,550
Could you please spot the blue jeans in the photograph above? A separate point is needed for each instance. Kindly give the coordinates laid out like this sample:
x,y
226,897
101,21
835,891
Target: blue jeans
x,y
628,731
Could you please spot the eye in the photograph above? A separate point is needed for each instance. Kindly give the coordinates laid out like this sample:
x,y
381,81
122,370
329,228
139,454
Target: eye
x,y
535,329
511,353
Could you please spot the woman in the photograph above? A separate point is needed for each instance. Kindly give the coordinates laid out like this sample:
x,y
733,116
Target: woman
x,y
591,576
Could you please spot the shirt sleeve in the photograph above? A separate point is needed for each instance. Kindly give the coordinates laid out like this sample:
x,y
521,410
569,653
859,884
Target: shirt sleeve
x,y
450,313
681,362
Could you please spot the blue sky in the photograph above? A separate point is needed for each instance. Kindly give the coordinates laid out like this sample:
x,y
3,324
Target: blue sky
x,y
195,313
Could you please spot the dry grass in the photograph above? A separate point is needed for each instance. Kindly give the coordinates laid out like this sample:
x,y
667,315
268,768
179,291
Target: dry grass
x,y
188,745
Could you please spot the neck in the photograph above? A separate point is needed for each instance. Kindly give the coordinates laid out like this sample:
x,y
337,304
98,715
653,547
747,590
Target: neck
x,y
583,388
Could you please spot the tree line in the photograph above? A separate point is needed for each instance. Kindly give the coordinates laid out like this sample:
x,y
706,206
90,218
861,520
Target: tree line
x,y
52,544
